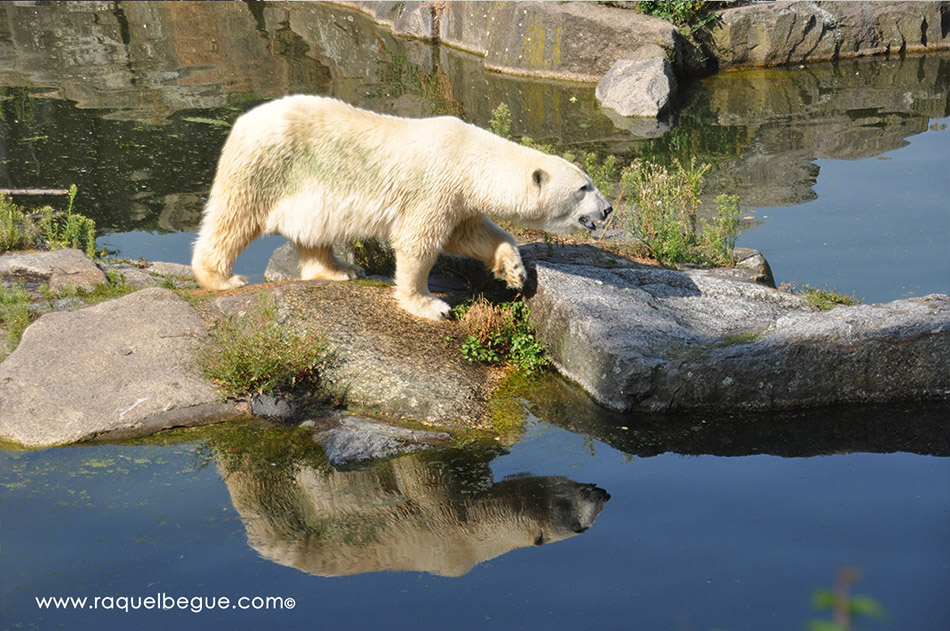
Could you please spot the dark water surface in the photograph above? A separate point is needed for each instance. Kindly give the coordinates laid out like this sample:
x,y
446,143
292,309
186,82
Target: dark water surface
x,y
712,522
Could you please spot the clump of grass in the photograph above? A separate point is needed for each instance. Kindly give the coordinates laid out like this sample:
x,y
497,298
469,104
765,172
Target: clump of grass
x,y
689,15
256,354
823,299
114,287
661,209
21,230
14,316
501,332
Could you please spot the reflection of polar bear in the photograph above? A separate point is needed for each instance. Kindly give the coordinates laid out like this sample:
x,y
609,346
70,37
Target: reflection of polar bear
x,y
405,515
321,173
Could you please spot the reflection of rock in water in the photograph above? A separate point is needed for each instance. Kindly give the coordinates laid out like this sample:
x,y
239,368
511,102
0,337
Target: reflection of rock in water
x,y
407,514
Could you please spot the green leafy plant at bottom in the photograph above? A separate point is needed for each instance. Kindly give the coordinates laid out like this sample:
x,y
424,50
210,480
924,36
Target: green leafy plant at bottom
x,y
501,332
844,606
256,354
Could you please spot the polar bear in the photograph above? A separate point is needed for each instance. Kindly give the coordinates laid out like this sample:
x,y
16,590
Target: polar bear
x,y
323,173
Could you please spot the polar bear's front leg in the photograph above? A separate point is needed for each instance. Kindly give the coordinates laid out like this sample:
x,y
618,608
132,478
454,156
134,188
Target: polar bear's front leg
x,y
412,286
484,240
319,263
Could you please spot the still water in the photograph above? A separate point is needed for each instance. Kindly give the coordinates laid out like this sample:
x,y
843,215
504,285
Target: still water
x,y
711,522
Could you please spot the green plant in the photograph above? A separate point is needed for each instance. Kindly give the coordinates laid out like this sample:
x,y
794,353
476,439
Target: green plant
x,y
255,353
500,123
844,606
374,257
14,315
604,173
501,332
660,211
12,226
690,15
719,236
824,299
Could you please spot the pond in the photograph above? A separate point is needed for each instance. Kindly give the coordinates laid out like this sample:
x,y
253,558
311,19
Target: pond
x,y
592,520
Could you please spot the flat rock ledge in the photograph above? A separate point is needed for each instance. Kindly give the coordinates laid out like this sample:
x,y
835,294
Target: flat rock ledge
x,y
118,369
653,339
386,361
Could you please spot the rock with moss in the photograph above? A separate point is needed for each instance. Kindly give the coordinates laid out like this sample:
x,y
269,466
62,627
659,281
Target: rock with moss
x,y
657,339
384,361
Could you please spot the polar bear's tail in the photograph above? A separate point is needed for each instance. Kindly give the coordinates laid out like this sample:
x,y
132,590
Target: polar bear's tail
x,y
225,232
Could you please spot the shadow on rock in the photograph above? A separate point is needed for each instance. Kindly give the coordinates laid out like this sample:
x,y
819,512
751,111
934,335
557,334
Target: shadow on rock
x,y
441,515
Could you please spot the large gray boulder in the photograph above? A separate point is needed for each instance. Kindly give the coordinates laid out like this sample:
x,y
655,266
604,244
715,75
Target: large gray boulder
x,y
638,88
647,338
60,269
121,368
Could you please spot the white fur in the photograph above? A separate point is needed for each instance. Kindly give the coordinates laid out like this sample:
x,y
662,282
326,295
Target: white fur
x,y
321,173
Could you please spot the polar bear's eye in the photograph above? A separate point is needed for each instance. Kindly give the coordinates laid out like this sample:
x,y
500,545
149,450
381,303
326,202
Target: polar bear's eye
x,y
587,187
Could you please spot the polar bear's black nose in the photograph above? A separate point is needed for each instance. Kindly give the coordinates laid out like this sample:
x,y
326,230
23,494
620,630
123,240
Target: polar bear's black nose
x,y
607,211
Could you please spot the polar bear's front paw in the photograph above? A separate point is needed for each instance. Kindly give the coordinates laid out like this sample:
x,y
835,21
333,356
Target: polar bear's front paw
x,y
234,282
515,274
427,307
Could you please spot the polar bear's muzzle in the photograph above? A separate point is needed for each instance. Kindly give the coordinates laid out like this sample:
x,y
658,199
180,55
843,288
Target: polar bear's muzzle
x,y
590,222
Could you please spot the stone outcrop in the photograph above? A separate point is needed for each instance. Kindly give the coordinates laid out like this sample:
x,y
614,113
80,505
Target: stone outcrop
x,y
638,88
59,269
655,339
121,368
385,360
779,33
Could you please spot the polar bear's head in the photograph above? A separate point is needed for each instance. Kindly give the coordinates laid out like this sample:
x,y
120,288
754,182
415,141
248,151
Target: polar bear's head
x,y
566,198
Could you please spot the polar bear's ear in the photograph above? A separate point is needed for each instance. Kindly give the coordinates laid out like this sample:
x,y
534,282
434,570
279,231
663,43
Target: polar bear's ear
x,y
539,177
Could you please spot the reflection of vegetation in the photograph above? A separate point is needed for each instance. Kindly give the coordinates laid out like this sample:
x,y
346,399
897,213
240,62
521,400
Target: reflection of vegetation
x,y
500,332
400,77
824,299
844,606
274,451
255,353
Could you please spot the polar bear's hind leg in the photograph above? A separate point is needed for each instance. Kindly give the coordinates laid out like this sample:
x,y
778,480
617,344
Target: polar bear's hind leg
x,y
319,263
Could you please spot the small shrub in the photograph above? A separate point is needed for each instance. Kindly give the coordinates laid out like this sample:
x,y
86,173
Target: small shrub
x,y
374,257
719,236
500,123
256,354
687,14
12,226
501,332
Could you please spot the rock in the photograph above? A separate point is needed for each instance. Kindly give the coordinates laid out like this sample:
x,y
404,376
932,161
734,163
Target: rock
x,y
415,20
171,270
283,264
774,33
638,88
60,269
655,339
564,40
356,439
385,359
272,406
121,368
